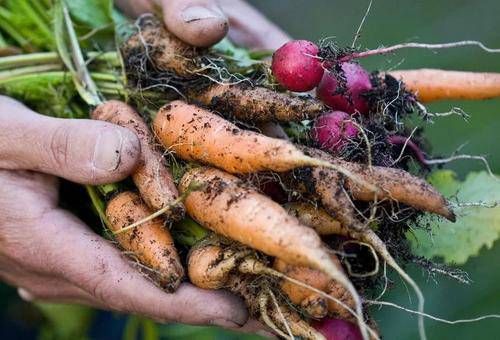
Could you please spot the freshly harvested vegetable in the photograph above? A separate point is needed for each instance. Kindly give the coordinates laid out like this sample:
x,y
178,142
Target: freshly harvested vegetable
x,y
195,134
313,303
257,103
152,177
151,243
338,329
230,208
248,101
345,88
296,65
332,131
316,218
433,84
395,184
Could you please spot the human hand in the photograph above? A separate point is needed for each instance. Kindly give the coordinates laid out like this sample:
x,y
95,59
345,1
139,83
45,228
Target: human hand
x,y
205,22
53,256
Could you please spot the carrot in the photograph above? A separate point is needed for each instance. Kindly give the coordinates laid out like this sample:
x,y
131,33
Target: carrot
x,y
395,184
316,218
195,134
313,303
209,266
154,44
366,235
433,84
152,177
257,103
212,267
264,305
151,243
230,208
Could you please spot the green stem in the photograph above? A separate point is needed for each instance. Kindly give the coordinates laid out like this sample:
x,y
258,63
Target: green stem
x,y
29,59
41,11
7,27
187,232
109,189
98,203
110,58
51,77
29,70
101,76
31,13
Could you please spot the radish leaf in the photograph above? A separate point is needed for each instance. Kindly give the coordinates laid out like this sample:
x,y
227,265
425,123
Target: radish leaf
x,y
478,218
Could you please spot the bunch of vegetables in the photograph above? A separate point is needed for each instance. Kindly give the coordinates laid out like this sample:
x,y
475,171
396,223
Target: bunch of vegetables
x,y
287,199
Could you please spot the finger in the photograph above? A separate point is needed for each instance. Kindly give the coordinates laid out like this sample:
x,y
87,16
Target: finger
x,y
93,264
80,150
250,28
254,326
198,22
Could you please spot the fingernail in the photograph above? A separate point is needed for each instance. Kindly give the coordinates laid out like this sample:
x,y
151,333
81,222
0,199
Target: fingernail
x,y
225,323
25,295
196,13
108,149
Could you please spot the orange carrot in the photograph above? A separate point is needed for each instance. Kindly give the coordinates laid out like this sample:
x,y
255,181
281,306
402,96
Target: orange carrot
x,y
395,184
313,303
195,134
229,207
257,104
151,243
152,177
433,84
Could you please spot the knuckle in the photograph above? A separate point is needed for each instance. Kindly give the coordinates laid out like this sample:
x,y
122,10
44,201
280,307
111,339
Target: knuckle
x,y
59,146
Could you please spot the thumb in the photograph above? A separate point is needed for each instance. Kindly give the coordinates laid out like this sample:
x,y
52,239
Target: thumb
x,y
80,150
197,22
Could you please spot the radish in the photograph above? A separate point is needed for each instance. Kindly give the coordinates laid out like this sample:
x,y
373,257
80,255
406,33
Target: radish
x,y
338,329
296,65
332,130
344,91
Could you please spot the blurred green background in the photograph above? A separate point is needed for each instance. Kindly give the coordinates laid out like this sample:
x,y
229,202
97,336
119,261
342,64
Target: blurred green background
x,y
389,22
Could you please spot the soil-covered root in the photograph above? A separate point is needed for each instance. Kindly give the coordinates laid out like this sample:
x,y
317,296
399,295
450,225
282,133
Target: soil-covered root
x,y
395,184
153,44
316,218
209,266
314,304
256,103
432,84
196,134
151,177
151,243
264,306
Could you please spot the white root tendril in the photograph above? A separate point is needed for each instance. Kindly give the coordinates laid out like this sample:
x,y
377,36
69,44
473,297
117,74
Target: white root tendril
x,y
280,313
360,27
263,299
432,317
385,50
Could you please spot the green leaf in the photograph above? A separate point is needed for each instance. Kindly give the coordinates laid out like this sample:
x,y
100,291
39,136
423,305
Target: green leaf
x,y
476,226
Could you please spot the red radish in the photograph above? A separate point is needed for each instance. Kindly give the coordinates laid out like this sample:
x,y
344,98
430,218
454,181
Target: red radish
x,y
345,95
332,130
296,65
338,329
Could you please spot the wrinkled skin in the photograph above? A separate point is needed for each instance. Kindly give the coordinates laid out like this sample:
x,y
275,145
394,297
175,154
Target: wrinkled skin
x,y
48,253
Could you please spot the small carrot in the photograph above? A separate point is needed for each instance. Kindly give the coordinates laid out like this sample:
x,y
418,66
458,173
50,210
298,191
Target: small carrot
x,y
433,84
366,235
151,243
152,177
394,184
195,134
316,218
154,44
229,207
313,303
214,267
257,103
